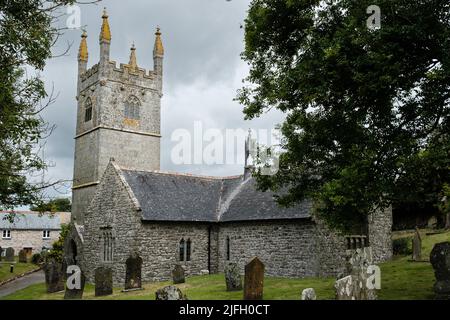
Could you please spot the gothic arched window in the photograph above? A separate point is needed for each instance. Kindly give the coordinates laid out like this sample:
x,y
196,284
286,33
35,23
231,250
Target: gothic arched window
x,y
88,110
132,108
182,244
108,245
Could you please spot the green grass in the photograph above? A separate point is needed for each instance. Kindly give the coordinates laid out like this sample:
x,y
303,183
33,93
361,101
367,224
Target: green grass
x,y
19,268
400,279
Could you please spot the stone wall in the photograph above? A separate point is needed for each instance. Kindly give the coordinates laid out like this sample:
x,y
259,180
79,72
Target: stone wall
x,y
380,234
111,209
287,248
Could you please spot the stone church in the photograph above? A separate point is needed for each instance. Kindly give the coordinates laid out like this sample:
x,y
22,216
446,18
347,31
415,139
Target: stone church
x,y
124,206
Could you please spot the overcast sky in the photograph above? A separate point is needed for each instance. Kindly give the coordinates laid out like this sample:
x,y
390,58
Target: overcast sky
x,y
202,71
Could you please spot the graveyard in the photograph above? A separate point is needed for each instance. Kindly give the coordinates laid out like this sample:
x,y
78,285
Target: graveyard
x,y
401,279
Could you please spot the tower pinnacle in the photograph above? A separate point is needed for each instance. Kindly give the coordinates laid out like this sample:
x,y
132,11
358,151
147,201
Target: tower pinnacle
x,y
133,60
83,50
158,49
105,34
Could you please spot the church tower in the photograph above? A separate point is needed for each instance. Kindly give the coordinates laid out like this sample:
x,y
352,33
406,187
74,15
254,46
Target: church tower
x,y
118,116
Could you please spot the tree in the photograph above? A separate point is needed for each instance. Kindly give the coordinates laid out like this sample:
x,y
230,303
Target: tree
x,y
27,33
55,205
361,104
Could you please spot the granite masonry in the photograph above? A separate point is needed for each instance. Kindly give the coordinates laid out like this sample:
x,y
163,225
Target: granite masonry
x,y
123,205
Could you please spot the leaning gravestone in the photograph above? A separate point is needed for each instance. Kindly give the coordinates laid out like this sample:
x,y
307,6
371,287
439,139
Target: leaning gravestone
x,y
170,293
354,286
178,274
233,277
54,276
254,280
103,282
75,283
9,254
309,294
417,246
133,273
440,260
23,256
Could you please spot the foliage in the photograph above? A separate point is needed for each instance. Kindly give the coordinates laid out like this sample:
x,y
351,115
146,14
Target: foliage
x,y
57,251
37,258
26,37
363,107
402,246
55,205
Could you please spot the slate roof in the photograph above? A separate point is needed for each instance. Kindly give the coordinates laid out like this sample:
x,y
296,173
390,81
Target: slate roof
x,y
182,197
30,221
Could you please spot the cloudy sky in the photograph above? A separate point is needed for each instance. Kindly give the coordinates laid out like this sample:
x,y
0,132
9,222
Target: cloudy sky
x,y
202,71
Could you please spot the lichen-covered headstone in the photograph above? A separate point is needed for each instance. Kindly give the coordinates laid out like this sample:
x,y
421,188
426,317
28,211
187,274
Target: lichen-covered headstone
x,y
309,294
345,288
170,293
54,276
23,256
440,260
178,274
9,254
417,246
133,273
254,280
233,277
75,283
354,286
103,282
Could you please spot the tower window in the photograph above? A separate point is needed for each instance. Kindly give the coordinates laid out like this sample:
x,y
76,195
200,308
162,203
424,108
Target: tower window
x,y
132,108
88,111
107,246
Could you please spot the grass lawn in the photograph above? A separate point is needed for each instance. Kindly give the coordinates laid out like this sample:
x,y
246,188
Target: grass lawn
x,y
19,268
400,279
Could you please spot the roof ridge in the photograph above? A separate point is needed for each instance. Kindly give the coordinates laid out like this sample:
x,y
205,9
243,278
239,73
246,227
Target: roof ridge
x,y
182,174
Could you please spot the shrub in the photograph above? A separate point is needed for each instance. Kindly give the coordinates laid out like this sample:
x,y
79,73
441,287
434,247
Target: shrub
x,y
402,246
37,258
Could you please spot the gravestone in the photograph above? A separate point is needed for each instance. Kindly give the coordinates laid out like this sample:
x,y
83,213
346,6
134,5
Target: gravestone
x,y
309,294
254,280
9,254
1,253
354,285
178,274
440,260
133,273
417,246
54,276
233,277
170,293
103,282
23,256
75,283
346,288
432,222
